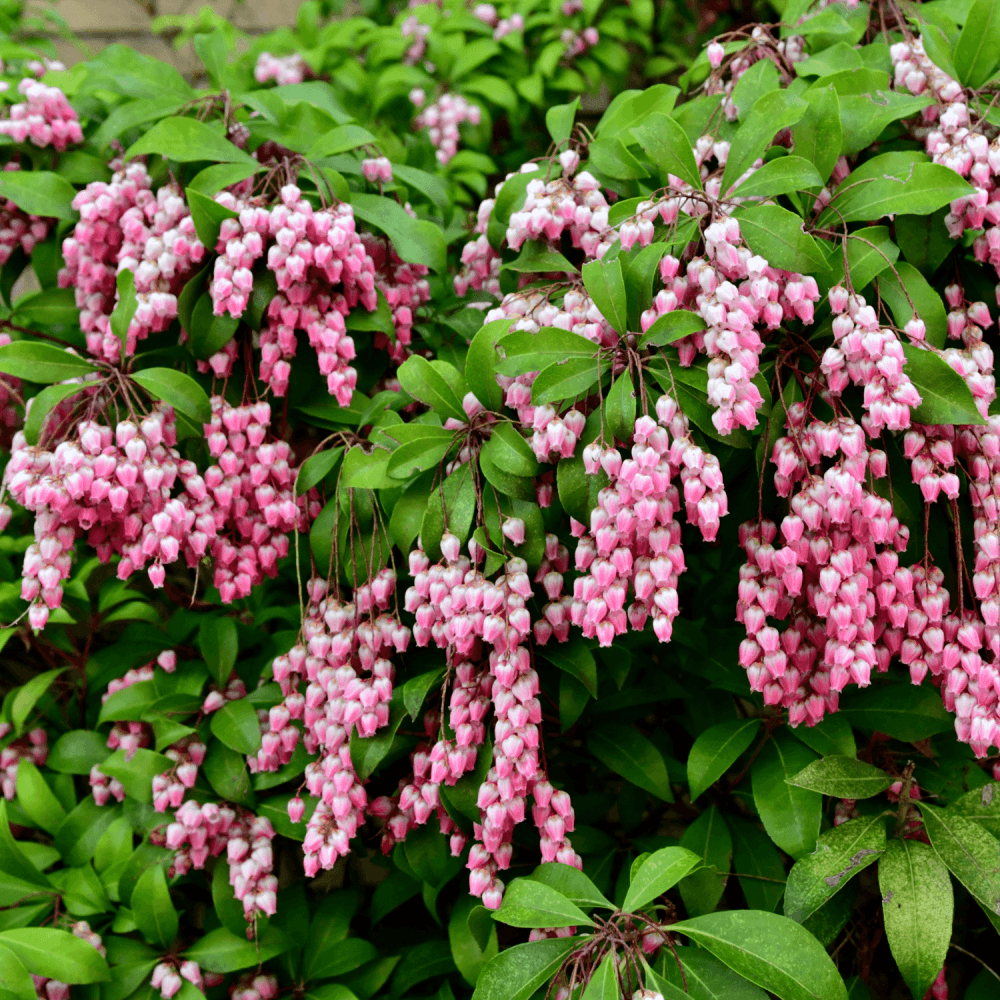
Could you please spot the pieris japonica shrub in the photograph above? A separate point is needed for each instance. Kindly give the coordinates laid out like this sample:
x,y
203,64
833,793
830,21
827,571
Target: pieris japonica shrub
x,y
459,545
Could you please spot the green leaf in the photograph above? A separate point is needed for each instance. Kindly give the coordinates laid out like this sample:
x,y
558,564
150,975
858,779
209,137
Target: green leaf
x,y
315,469
55,954
425,381
222,951
920,190
907,289
566,379
536,258
575,659
226,772
43,404
755,855
416,689
361,470
628,753
784,175
769,115
840,854
237,726
603,983
843,777
918,904
818,135
77,751
213,179
417,241
36,798
432,187
367,754
480,364
715,750
705,977
668,147
772,951
924,240
42,363
452,504
902,711
136,771
946,397
559,120
340,140
517,972
606,286
832,735
777,234
970,853
670,327
977,51
16,979
620,406
179,390
27,697
152,908
186,140
218,641
39,192
527,903
509,452
572,883
210,333
790,815
420,451
13,860
208,215
125,307
79,833
709,839
660,871
522,352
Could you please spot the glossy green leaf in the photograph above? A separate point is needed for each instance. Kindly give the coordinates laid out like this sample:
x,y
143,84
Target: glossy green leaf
x,y
770,114
222,951
658,873
179,390
843,777
901,711
709,838
517,972
218,641
628,753
36,798
186,140
527,903
946,397
153,909
56,954
918,904
840,854
668,147
715,750
790,815
977,51
237,726
606,286
777,234
37,362
572,883
39,192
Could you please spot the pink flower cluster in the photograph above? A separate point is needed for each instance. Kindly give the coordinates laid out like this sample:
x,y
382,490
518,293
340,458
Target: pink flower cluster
x,y
18,229
344,658
405,288
413,28
254,986
457,608
202,830
169,788
52,989
377,170
33,745
309,251
871,356
731,289
247,504
284,70
168,977
576,43
837,574
442,118
124,225
45,117
634,539
761,45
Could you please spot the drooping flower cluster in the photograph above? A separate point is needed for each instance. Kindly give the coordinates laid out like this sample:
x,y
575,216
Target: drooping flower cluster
x,y
415,29
441,119
457,608
633,541
168,977
284,70
33,745
405,288
377,170
245,506
870,356
254,986
344,659
731,289
45,117
836,576
124,225
576,43
209,829
309,251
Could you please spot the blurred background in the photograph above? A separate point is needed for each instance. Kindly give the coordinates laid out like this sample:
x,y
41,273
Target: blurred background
x,y
163,28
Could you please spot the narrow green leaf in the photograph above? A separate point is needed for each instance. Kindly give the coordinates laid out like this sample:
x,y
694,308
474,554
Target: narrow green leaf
x,y
715,750
658,873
